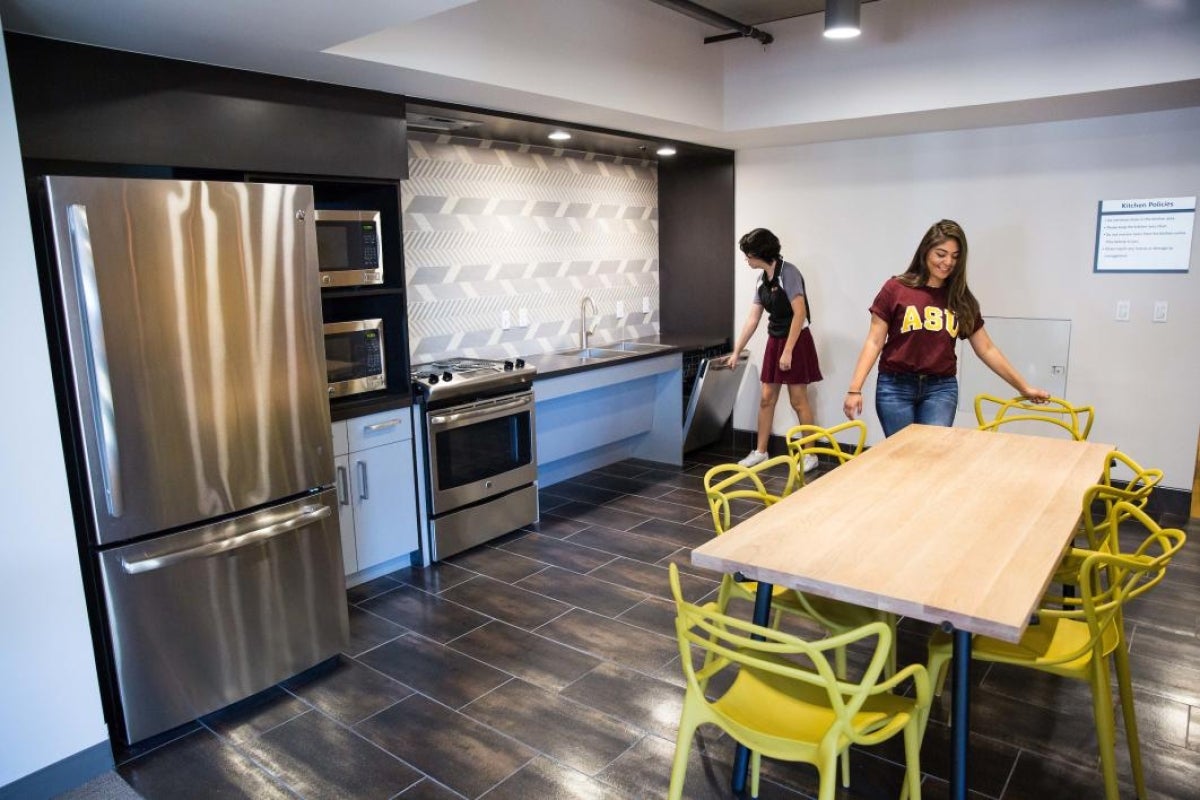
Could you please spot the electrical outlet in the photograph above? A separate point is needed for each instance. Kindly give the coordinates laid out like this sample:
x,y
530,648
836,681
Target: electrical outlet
x,y
645,305
620,309
522,317
1160,311
1122,314
505,320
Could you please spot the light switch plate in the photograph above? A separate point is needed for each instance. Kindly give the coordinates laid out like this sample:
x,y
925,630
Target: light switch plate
x,y
645,305
523,317
505,320
1122,314
1160,311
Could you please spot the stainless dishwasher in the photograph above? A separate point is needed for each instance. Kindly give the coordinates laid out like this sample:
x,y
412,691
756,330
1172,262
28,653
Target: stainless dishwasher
x,y
711,401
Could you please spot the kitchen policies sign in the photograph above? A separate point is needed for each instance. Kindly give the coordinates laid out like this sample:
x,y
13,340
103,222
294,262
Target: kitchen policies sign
x,y
1153,235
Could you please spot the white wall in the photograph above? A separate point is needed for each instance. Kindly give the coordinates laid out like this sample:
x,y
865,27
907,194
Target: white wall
x,y
49,699
851,213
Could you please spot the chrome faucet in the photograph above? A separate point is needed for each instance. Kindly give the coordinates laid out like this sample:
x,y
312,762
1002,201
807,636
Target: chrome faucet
x,y
584,330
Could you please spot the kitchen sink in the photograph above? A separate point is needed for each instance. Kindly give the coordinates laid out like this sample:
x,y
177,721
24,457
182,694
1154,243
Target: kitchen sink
x,y
638,347
591,353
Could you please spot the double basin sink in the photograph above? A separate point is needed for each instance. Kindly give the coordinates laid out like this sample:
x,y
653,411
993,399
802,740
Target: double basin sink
x,y
588,355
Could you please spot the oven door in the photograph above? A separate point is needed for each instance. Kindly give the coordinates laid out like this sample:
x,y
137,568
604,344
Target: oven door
x,y
481,449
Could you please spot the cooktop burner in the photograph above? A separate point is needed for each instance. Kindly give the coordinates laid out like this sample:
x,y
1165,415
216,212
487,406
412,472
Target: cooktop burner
x,y
468,379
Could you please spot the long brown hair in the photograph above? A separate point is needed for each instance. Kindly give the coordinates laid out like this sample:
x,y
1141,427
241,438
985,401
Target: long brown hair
x,y
958,295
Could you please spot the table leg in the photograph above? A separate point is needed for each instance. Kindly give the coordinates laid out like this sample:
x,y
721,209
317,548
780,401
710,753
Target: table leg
x,y
960,715
762,616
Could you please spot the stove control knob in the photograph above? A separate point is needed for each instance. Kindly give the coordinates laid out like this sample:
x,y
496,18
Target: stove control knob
x,y
431,378
447,375
508,365
520,363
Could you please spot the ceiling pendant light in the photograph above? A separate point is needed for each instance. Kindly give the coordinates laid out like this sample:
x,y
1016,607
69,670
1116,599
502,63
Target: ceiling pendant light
x,y
841,19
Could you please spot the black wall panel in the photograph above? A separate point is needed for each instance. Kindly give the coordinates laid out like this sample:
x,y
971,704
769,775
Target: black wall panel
x,y
696,243
78,103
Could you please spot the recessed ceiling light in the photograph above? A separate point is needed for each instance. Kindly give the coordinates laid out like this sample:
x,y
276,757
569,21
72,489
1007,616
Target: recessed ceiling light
x,y
559,136
666,150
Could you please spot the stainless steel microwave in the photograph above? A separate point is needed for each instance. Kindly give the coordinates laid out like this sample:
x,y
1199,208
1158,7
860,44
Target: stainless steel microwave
x,y
354,360
349,247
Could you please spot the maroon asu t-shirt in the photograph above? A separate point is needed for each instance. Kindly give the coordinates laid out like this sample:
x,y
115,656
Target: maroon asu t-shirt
x,y
921,330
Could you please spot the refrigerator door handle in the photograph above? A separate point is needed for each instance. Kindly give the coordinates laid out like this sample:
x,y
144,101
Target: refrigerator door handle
x,y
307,516
93,331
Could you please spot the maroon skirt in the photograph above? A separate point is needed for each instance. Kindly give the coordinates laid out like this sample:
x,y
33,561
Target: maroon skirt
x,y
805,368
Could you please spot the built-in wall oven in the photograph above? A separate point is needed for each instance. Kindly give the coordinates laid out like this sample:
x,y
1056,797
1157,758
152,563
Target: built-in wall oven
x,y
480,450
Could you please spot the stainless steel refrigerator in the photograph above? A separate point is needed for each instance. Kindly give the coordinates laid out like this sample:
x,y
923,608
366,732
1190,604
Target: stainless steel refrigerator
x,y
187,321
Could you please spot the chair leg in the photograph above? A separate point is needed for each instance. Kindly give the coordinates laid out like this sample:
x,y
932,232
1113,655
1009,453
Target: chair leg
x,y
1125,687
1105,727
826,774
755,766
912,761
683,746
845,761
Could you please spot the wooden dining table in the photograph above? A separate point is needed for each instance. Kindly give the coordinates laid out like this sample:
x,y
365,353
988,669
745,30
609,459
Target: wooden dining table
x,y
953,526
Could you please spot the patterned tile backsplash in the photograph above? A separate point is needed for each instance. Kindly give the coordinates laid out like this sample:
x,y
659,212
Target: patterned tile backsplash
x,y
491,228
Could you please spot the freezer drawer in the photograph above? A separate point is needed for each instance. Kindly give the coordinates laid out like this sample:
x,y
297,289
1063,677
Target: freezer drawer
x,y
205,617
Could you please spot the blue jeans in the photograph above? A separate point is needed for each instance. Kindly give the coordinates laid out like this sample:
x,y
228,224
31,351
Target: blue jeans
x,y
904,398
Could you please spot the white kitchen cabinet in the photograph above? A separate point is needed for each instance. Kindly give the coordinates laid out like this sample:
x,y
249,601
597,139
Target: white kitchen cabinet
x,y
376,485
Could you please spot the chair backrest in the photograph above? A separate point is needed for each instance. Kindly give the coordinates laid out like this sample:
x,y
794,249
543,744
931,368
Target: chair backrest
x,y
733,641
728,482
814,440
1108,580
1100,522
994,412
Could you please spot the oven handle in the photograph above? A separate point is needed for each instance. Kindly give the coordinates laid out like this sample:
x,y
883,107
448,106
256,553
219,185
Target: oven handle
x,y
475,413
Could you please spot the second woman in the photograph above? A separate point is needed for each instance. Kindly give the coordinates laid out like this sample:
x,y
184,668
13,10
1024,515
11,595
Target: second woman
x,y
791,357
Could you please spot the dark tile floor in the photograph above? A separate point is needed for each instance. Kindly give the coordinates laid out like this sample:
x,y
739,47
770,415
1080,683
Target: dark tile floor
x,y
543,665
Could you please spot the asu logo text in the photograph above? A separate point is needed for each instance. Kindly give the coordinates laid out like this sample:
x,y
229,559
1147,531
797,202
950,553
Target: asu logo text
x,y
934,319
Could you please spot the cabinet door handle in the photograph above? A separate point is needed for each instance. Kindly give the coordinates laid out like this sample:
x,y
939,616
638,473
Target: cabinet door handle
x,y
363,493
378,426
343,486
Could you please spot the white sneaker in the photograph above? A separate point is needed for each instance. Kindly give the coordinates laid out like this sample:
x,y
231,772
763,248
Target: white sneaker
x,y
755,458
810,462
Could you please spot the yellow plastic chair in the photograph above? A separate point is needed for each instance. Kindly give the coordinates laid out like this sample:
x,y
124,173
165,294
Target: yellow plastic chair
x,y
1097,533
993,412
784,700
814,440
727,484
1076,642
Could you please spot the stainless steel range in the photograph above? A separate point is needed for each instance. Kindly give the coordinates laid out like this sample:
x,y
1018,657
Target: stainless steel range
x,y
480,453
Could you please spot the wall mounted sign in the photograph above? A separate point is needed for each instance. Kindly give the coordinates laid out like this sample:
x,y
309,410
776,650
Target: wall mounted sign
x,y
1149,235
